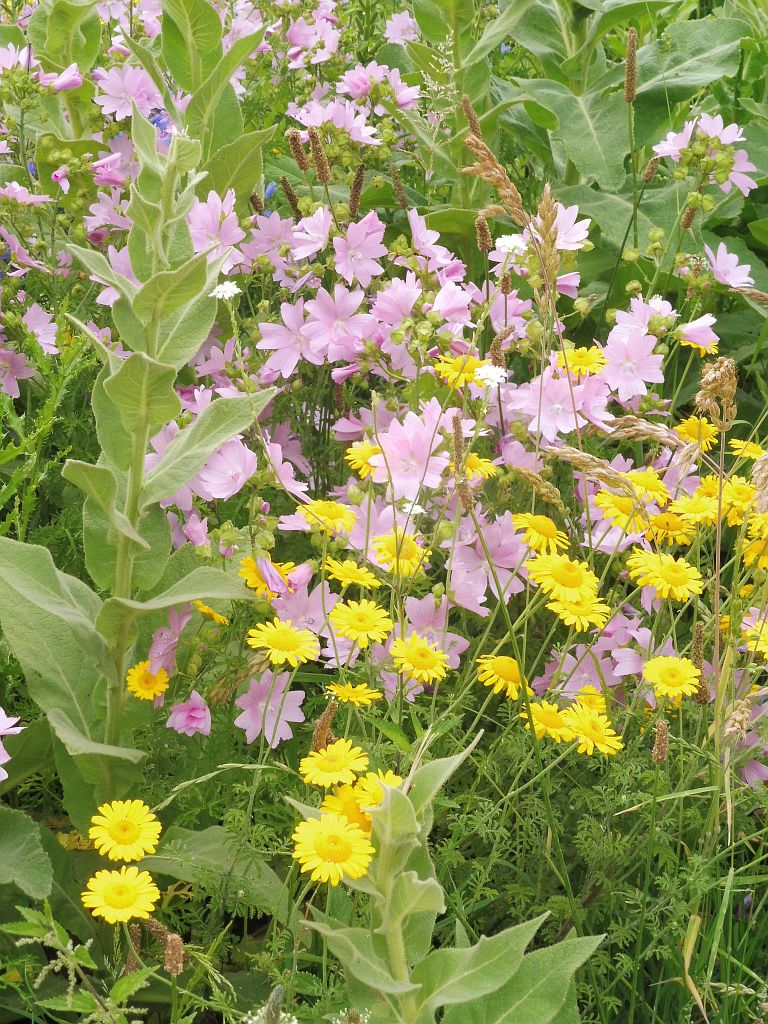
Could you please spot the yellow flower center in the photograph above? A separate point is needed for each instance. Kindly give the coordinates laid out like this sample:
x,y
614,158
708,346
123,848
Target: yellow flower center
x,y
285,640
505,668
675,574
119,895
568,575
334,847
544,526
125,832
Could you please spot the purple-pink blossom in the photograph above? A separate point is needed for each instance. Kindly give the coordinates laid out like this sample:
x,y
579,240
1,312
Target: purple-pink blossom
x,y
269,709
191,716
120,87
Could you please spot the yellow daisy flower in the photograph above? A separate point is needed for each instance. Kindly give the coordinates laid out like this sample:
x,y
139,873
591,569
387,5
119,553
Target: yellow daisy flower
x,y
698,430
124,830
121,895
746,449
501,673
541,533
648,484
284,643
476,468
592,729
360,695
670,577
400,553
369,788
738,495
343,800
668,528
254,578
756,551
547,720
591,697
332,765
563,578
362,621
672,677
146,684
330,847
349,574
208,613
582,361
418,659
457,371
359,455
329,517
699,509
584,613
622,511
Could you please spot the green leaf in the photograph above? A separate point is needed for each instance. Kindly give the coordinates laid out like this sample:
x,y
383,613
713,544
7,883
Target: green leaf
x,y
536,993
207,582
146,58
181,336
130,984
98,266
98,482
432,21
610,14
690,54
354,948
188,452
30,752
759,230
191,39
78,1002
142,389
63,33
411,895
203,105
90,755
496,31
23,861
168,291
612,213
428,779
238,166
455,976
101,553
592,127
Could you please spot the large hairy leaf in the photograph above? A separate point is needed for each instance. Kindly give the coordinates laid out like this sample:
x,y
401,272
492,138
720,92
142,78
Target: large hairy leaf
x,y
23,861
142,389
191,38
691,54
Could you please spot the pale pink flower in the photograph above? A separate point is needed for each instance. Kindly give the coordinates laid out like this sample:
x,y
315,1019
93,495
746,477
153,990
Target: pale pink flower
x,y
726,269
191,716
551,404
21,257
120,261
311,234
285,473
21,194
269,708
288,342
213,225
408,460
119,87
42,325
13,368
396,300
401,28
714,127
356,254
738,175
70,78
226,472
630,363
571,234
196,530
675,142
424,242
306,609
334,327
165,639
699,334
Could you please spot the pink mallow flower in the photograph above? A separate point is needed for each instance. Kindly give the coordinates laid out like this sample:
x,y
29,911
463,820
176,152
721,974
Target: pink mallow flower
x,y
699,334
269,708
42,325
408,460
213,225
726,269
226,472
191,716
13,368
334,327
165,640
630,362
356,254
21,194
287,341
401,28
119,87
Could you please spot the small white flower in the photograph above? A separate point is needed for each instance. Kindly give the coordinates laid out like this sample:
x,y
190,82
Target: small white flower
x,y
412,508
226,290
490,376
510,244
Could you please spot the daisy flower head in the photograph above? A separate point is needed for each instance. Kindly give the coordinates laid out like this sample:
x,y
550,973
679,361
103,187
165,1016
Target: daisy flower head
x,y
547,719
648,484
263,575
359,454
540,533
738,496
349,573
622,511
582,362
284,643
476,468
370,788
563,578
672,677
124,830
360,695
584,613
343,801
400,552
697,509
208,613
592,729
501,673
330,847
361,621
669,528
333,765
457,371
122,895
330,517
698,430
591,697
146,684
418,659
672,578
746,449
